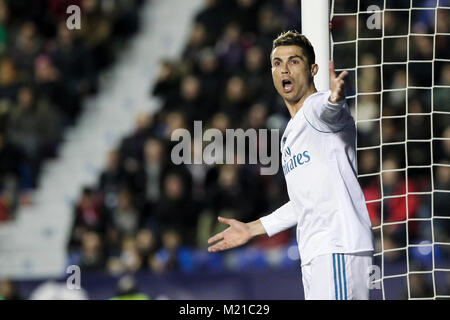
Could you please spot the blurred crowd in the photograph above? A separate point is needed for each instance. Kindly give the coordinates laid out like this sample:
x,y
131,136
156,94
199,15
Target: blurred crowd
x,y
46,70
145,213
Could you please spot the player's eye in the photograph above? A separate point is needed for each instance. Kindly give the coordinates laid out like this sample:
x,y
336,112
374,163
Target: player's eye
x,y
276,63
294,61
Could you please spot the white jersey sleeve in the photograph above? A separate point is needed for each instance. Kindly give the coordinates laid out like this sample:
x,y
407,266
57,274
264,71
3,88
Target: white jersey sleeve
x,y
281,219
318,152
328,117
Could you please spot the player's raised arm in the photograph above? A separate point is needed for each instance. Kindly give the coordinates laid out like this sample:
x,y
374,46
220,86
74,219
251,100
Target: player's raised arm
x,y
237,234
330,114
337,85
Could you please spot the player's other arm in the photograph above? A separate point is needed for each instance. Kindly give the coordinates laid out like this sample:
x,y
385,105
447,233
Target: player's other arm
x,y
239,233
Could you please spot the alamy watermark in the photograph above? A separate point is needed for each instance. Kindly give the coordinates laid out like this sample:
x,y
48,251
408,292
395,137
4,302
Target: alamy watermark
x,y
374,20
221,149
73,282
74,20
374,279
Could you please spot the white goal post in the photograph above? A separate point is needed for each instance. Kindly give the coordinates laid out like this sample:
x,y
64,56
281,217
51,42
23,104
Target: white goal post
x,y
315,26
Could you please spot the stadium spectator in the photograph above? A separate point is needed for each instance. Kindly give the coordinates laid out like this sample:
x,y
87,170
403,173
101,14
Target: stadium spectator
x,y
12,160
172,255
124,218
167,85
129,255
192,102
442,202
290,12
230,47
256,76
420,286
89,216
198,40
212,17
48,82
96,32
147,244
76,66
5,207
26,48
91,255
236,100
111,179
210,73
270,23
175,208
34,127
246,14
9,290
9,80
4,21
132,145
127,289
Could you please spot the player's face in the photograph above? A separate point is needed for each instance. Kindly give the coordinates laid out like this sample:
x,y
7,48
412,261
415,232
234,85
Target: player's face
x,y
292,75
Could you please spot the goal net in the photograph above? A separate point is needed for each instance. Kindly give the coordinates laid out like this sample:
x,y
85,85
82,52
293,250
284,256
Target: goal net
x,y
397,53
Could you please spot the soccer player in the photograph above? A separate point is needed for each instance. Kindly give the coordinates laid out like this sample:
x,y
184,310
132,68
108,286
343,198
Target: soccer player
x,y
319,162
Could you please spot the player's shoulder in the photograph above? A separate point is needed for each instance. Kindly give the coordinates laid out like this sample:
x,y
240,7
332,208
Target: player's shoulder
x,y
318,98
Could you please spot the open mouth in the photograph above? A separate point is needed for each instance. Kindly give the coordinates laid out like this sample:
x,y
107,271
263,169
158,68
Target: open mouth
x,y
288,86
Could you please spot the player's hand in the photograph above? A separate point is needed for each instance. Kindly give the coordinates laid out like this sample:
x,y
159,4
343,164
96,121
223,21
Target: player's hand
x,y
237,234
337,85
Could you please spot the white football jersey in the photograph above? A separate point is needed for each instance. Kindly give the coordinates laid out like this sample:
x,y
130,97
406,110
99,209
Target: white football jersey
x,y
326,200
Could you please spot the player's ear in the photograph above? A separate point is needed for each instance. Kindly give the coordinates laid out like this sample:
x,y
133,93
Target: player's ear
x,y
314,69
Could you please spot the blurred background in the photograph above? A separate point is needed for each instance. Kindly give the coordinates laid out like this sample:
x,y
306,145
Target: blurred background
x,y
86,117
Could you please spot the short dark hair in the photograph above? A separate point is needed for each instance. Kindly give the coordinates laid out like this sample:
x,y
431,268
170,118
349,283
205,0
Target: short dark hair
x,y
294,38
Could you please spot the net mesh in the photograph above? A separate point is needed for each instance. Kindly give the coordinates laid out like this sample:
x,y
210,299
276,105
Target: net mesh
x,y
399,92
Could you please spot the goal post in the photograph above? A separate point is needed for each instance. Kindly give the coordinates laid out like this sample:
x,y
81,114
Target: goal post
x,y
399,93
315,26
